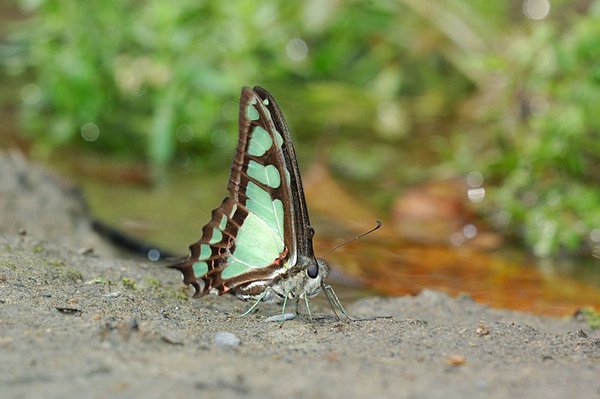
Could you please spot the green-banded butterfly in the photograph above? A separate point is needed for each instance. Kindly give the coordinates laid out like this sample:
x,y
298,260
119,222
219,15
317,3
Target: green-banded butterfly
x,y
258,243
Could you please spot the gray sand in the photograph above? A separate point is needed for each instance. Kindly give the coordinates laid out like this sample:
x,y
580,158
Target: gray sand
x,y
71,326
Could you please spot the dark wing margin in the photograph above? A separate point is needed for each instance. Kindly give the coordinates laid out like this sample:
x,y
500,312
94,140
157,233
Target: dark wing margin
x,y
304,231
219,251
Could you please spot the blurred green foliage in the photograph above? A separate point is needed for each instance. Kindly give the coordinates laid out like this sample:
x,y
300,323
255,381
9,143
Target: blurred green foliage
x,y
149,75
541,143
457,85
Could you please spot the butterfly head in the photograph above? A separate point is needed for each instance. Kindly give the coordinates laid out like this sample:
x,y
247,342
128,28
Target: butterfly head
x,y
315,272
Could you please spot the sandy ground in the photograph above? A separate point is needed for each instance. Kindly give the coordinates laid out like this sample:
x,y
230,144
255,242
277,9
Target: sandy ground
x,y
91,326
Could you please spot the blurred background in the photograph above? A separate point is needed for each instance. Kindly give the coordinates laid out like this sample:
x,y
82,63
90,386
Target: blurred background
x,y
471,128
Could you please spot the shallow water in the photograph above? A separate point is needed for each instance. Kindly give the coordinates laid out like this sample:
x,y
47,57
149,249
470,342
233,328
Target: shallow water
x,y
171,217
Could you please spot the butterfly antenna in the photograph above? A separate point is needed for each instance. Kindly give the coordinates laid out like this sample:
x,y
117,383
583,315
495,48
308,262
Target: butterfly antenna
x,y
379,224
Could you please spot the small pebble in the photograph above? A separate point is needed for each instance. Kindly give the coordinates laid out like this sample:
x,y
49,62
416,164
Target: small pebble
x,y
482,329
283,317
112,295
85,251
456,360
67,310
226,339
173,337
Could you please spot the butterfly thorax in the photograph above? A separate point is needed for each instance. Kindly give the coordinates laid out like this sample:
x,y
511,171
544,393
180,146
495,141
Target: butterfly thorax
x,y
295,283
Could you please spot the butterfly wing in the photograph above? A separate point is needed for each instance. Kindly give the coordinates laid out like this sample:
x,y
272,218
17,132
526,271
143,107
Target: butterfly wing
x,y
302,231
252,237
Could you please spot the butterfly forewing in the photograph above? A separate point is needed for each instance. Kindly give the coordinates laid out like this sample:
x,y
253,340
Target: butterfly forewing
x,y
259,176
302,231
251,237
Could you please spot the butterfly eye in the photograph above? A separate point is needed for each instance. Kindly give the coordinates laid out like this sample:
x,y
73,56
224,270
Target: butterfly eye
x,y
313,271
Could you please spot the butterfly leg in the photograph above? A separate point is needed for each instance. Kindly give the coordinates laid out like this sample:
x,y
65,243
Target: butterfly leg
x,y
310,316
255,304
285,298
334,302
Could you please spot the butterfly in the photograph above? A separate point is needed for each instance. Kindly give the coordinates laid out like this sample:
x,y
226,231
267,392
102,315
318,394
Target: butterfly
x,y
258,244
